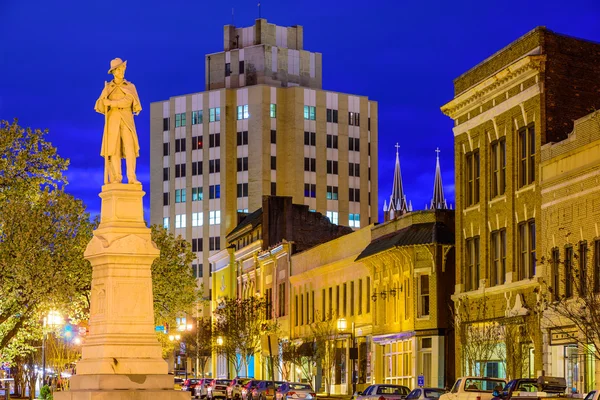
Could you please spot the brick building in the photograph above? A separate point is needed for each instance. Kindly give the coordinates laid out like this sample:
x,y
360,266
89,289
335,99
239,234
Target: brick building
x,y
504,109
570,191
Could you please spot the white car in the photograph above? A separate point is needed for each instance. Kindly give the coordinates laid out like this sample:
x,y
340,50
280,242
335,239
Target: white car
x,y
384,392
474,388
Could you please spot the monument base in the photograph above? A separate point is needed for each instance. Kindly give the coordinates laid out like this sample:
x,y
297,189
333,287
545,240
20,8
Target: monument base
x,y
122,387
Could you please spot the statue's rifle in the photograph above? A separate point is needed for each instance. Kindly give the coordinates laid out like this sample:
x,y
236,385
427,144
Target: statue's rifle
x,y
105,138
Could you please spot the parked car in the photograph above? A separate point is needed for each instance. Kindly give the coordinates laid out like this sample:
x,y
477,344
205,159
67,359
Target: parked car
x,y
593,395
234,389
383,392
178,382
474,388
189,384
246,391
425,393
531,388
264,390
200,390
295,390
217,389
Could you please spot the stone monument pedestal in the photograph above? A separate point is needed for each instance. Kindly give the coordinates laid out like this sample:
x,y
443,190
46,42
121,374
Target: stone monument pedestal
x,y
121,356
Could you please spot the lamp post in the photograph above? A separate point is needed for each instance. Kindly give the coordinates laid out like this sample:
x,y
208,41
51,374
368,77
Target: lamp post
x,y
183,328
52,319
220,344
175,338
342,326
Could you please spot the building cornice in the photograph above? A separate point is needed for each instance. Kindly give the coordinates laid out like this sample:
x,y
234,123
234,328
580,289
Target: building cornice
x,y
493,85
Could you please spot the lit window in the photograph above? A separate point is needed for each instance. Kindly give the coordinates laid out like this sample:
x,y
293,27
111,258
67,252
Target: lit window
x,y
180,221
214,217
214,191
179,120
354,220
214,114
306,112
180,196
424,296
242,112
197,194
332,192
197,219
273,110
333,216
196,117
166,222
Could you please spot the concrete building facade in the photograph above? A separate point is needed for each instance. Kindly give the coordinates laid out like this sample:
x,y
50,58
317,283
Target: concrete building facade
x,y
570,192
504,110
263,126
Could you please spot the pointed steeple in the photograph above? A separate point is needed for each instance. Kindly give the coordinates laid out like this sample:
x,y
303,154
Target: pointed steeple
x,y
438,201
397,205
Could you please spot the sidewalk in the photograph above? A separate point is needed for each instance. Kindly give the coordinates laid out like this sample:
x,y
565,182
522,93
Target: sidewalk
x,y
334,396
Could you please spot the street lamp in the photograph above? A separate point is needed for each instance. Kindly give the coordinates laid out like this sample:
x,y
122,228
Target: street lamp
x,y
175,338
342,325
52,319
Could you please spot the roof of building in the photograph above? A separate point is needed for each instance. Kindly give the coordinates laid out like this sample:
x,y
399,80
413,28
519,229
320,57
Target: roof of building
x,y
430,232
254,219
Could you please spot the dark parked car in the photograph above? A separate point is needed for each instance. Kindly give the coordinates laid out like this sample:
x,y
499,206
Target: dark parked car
x,y
189,384
234,390
264,390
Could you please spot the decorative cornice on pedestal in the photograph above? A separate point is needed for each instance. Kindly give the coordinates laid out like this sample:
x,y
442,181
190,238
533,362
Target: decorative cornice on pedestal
x,y
493,85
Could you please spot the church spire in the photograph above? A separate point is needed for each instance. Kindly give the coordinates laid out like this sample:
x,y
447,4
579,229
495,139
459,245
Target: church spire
x,y
397,205
438,202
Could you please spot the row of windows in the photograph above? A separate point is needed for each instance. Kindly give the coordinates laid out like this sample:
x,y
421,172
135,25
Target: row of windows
x,y
526,252
197,118
526,166
351,298
180,196
214,218
576,278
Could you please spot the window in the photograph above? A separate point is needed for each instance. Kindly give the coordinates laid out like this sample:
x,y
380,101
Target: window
x,y
269,303
498,254
472,271
214,166
166,174
179,120
527,260
310,138
166,124
368,291
354,194
332,115
273,162
296,310
197,270
242,112
242,164
472,186
214,217
197,219
281,296
241,67
301,309
179,195
332,141
180,171
196,168
166,149
354,118
351,298
196,117
242,190
354,144
423,295
214,192
360,296
344,299
310,164
273,136
556,273
337,300
354,220
179,145
180,221
214,114
273,189
332,167
568,272
166,222
214,140
214,243
596,266
583,250
273,110
354,169
242,138
227,69
166,199
333,217
526,155
332,192
196,142
310,190
310,113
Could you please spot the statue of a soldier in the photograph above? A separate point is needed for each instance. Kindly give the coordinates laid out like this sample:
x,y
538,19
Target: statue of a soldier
x,y
119,102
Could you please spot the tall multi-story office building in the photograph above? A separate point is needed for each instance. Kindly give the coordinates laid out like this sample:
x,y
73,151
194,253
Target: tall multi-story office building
x,y
264,126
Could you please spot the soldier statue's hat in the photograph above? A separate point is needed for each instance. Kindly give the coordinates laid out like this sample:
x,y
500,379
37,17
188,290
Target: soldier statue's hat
x,y
115,63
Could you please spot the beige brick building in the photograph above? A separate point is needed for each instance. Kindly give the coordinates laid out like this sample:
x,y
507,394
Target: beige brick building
x,y
504,110
570,191
263,126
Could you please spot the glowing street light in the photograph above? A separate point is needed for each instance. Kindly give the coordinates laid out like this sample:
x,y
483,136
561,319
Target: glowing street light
x,y
52,319
219,341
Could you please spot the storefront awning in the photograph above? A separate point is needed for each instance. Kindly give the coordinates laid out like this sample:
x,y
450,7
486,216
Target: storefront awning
x,y
393,337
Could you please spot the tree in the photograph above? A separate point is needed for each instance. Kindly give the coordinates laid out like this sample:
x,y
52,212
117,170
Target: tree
x,y
199,341
324,335
303,356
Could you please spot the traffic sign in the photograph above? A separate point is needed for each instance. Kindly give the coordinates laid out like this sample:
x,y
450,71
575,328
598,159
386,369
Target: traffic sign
x,y
421,381
159,328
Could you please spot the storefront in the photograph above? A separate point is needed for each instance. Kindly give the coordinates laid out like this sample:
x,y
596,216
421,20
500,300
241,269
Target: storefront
x,y
572,360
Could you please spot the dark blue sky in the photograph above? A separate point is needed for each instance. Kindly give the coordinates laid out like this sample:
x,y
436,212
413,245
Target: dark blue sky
x,y
54,56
